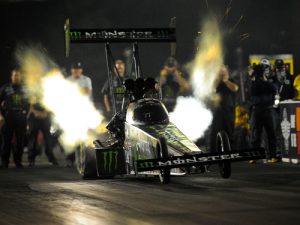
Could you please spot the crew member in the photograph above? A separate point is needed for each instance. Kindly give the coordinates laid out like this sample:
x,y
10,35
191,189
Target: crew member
x,y
172,83
266,64
286,89
84,82
224,114
14,109
118,89
85,85
262,99
39,120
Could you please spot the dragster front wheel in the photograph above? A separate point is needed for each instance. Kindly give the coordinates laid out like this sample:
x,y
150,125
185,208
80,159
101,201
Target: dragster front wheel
x,y
223,146
162,149
86,162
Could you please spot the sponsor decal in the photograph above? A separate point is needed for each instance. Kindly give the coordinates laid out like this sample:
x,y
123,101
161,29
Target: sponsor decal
x,y
110,159
143,147
75,35
198,159
174,137
145,164
17,99
293,121
120,90
293,140
285,129
119,34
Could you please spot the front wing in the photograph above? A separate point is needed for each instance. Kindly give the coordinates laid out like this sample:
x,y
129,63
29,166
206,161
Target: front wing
x,y
200,159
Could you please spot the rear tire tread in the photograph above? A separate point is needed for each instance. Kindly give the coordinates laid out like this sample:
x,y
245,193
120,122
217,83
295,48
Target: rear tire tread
x,y
86,162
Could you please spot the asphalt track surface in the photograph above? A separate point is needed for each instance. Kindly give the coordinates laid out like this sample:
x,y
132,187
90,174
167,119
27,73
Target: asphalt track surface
x,y
255,194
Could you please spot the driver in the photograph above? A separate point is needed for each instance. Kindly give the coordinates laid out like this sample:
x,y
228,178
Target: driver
x,y
286,89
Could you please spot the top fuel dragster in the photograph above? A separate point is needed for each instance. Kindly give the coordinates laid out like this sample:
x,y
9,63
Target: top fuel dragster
x,y
145,140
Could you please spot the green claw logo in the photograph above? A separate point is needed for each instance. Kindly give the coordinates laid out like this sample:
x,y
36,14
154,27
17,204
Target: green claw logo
x,y
75,34
17,99
146,164
120,90
110,158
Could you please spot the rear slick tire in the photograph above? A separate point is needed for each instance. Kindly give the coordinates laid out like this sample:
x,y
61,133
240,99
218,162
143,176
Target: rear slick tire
x,y
86,162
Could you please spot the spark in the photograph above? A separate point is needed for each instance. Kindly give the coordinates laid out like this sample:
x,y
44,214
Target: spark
x,y
237,23
244,36
226,13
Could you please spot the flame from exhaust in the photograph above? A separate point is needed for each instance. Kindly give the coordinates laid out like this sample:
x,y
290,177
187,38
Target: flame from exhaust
x,y
72,110
190,113
191,117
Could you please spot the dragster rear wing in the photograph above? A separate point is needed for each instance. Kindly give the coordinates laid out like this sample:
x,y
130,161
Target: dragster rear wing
x,y
120,35
117,35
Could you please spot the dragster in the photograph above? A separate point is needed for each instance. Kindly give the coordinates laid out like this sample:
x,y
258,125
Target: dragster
x,y
145,141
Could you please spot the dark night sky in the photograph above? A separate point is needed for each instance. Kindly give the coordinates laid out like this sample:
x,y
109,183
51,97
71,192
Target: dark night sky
x,y
273,26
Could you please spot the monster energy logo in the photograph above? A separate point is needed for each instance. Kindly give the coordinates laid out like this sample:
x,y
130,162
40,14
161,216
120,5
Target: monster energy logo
x,y
198,159
110,158
17,99
122,34
75,34
120,90
146,164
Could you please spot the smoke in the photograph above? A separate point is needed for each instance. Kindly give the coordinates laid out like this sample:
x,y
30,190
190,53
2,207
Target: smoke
x,y
71,110
191,115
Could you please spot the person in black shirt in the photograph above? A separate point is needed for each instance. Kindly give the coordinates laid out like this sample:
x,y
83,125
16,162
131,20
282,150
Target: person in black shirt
x,y
39,120
285,91
285,79
14,109
118,89
224,113
172,83
262,100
